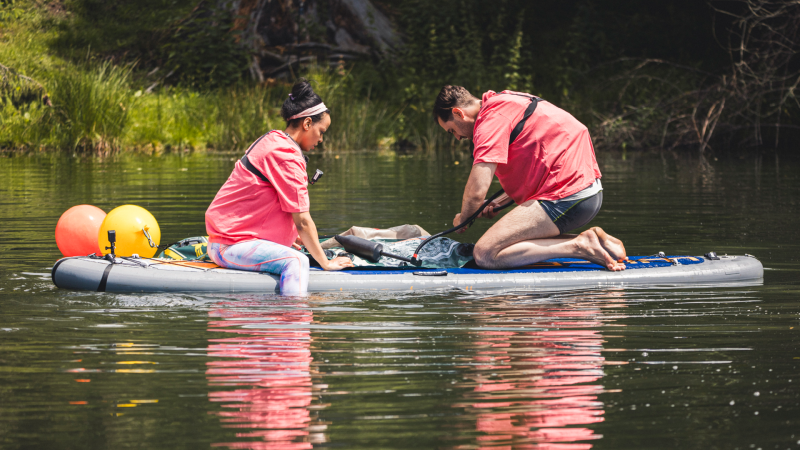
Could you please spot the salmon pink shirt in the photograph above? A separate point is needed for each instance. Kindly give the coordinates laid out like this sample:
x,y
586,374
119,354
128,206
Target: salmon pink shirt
x,y
247,208
551,159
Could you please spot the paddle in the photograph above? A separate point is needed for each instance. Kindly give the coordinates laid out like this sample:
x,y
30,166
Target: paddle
x,y
368,250
466,223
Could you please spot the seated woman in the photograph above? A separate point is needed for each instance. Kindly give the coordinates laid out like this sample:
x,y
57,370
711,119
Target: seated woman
x,y
257,215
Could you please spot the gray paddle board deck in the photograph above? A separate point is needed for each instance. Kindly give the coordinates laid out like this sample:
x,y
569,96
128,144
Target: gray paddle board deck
x,y
152,275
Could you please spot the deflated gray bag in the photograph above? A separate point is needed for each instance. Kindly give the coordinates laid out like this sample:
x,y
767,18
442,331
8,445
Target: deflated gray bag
x,y
402,240
442,253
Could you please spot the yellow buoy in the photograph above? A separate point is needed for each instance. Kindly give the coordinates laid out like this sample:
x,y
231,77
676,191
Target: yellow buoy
x,y
137,232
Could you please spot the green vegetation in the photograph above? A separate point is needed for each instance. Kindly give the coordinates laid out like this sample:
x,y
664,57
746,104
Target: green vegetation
x,y
155,75
101,107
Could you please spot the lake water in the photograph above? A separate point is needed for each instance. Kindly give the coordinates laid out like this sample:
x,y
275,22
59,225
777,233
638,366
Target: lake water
x,y
605,369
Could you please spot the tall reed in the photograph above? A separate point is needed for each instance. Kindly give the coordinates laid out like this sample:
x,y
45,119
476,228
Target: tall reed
x,y
243,113
170,118
91,107
358,121
97,110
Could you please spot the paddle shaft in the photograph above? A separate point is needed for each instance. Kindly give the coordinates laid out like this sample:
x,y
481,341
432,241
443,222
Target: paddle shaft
x,y
463,224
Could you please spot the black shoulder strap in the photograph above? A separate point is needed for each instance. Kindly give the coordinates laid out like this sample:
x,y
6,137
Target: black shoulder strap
x,y
528,111
249,166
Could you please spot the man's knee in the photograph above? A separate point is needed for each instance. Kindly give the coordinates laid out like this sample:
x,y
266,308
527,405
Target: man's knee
x,y
484,256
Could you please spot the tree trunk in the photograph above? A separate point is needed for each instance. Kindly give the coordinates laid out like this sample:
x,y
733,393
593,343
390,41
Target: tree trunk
x,y
283,33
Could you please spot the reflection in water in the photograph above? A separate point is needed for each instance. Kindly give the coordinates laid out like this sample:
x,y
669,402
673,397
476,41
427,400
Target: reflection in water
x,y
268,359
74,364
535,377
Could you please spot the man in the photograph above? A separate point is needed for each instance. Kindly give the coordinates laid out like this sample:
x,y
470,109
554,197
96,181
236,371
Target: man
x,y
549,170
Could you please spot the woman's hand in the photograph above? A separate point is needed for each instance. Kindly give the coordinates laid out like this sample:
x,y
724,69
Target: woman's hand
x,y
298,243
308,235
338,263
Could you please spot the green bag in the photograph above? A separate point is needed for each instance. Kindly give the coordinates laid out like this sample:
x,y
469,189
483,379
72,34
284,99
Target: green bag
x,y
189,249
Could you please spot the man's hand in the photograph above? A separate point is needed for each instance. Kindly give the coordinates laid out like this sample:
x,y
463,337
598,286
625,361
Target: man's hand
x,y
489,212
457,222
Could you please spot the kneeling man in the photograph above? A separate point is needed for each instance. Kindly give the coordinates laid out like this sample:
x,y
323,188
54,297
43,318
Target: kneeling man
x,y
544,160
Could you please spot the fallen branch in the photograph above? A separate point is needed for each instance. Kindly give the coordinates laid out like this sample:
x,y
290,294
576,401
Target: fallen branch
x,y
692,107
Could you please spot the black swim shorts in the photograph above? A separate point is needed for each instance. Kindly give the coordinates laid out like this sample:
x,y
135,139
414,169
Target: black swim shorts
x,y
569,215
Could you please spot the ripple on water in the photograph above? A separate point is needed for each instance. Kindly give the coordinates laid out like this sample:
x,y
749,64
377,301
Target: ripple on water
x,y
644,368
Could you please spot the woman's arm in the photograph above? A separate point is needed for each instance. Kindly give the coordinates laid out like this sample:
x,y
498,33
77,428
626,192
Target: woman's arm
x,y
308,233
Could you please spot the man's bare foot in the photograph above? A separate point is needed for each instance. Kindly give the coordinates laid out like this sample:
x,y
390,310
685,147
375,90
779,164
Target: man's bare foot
x,y
590,248
613,246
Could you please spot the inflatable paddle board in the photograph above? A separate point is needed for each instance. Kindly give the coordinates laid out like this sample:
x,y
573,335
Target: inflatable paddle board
x,y
162,275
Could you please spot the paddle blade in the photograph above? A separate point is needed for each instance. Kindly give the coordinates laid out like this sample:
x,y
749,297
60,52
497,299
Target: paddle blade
x,y
371,251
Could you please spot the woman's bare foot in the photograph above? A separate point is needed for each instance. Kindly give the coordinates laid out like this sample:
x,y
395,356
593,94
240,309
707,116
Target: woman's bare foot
x,y
613,246
591,249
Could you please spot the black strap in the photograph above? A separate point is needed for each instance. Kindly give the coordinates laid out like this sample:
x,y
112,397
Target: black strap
x,y
249,166
528,112
102,286
521,124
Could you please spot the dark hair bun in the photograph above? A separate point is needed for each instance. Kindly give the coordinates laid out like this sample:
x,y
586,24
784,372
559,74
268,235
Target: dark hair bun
x,y
301,98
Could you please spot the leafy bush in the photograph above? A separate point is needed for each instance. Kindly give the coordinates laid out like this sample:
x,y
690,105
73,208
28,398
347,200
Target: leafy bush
x,y
23,125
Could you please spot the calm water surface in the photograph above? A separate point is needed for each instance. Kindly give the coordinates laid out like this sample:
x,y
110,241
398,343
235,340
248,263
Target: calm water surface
x,y
607,369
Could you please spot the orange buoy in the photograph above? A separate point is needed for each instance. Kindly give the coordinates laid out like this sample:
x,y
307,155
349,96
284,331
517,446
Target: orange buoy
x,y
76,230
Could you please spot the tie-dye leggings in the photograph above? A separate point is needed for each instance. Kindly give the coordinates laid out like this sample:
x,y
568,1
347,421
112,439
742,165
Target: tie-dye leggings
x,y
265,256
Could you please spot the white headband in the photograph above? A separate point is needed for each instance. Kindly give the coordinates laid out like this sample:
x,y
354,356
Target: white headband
x,y
313,111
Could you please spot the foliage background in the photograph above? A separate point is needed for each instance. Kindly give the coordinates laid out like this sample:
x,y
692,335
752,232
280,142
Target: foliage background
x,y
157,75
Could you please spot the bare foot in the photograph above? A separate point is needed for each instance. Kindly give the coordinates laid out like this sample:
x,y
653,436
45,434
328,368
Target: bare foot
x,y
613,246
590,248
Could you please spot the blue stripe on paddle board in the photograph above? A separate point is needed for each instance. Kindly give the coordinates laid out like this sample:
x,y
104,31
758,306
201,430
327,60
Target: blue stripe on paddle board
x,y
554,265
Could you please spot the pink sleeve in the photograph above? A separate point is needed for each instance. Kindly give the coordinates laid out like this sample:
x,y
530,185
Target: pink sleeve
x,y
491,138
291,182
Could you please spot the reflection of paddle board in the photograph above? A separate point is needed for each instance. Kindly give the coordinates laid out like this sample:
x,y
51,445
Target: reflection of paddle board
x,y
156,275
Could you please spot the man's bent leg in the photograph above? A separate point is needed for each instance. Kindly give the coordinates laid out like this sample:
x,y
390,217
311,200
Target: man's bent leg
x,y
614,246
527,235
525,222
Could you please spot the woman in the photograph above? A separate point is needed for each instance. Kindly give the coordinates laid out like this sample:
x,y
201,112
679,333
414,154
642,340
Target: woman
x,y
257,215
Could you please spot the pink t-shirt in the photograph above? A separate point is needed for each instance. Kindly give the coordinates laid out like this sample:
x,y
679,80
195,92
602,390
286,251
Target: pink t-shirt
x,y
551,159
247,208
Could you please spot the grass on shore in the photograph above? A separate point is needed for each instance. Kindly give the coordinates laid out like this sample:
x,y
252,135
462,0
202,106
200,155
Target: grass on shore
x,y
101,107
98,110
